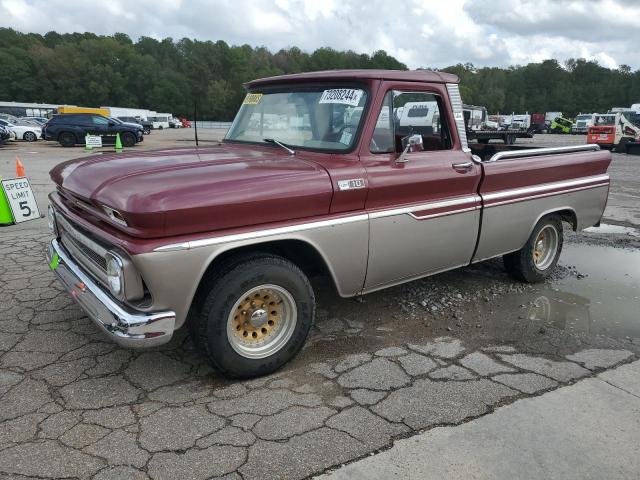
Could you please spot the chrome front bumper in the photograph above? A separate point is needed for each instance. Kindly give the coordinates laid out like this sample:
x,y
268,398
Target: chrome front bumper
x,y
127,327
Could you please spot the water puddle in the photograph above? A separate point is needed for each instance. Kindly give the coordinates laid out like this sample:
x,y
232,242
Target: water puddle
x,y
614,229
601,295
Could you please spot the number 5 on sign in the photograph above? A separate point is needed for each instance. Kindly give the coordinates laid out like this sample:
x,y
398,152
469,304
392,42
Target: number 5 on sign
x,y
21,199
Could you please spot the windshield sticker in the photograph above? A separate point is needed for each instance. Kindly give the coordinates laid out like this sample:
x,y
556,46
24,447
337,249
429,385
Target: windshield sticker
x,y
252,99
345,96
346,138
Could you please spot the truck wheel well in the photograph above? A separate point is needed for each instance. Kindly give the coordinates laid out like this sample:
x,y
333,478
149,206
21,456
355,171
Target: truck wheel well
x,y
304,255
569,216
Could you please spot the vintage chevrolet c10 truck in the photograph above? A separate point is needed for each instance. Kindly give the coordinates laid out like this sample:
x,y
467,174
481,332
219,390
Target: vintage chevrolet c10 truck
x,y
315,173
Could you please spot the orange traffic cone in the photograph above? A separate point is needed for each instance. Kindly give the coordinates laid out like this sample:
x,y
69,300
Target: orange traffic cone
x,y
19,168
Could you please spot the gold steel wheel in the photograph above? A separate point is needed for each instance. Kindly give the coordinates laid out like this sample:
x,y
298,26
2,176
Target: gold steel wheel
x,y
262,321
545,247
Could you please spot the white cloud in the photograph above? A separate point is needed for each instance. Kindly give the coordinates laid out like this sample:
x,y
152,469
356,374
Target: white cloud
x,y
420,33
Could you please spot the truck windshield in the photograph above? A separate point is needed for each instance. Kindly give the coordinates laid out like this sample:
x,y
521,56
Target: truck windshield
x,y
583,117
606,120
316,118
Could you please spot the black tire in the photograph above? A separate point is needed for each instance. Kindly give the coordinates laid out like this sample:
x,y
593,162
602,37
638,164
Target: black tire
x,y
146,130
621,147
217,297
29,137
522,264
128,139
67,139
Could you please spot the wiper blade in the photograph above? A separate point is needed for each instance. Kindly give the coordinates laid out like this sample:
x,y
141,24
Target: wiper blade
x,y
280,144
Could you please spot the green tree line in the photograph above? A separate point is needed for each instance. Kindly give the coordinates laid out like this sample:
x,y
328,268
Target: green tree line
x,y
169,76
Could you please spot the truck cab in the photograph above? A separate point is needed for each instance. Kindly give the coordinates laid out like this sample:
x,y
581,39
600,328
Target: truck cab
x,y
583,122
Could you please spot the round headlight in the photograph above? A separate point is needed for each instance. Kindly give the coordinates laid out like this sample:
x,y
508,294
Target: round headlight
x,y
115,274
51,218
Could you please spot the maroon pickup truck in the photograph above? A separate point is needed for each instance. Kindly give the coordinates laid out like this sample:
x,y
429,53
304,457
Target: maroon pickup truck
x,y
315,173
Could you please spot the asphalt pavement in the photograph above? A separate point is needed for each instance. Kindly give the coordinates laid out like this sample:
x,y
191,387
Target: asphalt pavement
x,y
460,366
587,431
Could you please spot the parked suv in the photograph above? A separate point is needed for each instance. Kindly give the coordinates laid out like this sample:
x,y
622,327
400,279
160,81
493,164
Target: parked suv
x,y
70,129
146,125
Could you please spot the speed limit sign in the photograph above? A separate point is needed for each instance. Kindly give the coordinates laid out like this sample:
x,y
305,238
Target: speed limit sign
x,y
21,199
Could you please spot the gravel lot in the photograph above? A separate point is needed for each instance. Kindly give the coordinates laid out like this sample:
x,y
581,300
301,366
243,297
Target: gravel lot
x,y
438,351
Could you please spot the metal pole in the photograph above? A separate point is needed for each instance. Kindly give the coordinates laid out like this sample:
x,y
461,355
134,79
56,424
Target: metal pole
x,y
195,120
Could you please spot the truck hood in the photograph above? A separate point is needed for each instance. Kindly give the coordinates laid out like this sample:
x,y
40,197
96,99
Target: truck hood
x,y
181,191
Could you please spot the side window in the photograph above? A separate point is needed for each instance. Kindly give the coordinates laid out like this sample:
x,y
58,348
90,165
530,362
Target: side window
x,y
382,140
100,120
85,120
420,113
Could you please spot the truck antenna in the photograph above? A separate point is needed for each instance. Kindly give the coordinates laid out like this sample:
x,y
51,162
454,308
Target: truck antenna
x,y
195,120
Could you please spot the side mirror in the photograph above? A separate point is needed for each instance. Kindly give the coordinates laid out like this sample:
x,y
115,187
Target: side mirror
x,y
411,143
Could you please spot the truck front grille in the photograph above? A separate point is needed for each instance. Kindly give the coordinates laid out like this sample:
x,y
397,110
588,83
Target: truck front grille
x,y
95,257
87,250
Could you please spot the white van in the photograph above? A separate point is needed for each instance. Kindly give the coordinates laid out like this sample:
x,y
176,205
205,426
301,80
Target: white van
x,y
160,120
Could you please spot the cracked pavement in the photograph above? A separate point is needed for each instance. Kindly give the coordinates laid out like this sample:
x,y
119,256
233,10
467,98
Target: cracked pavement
x,y
439,351
75,405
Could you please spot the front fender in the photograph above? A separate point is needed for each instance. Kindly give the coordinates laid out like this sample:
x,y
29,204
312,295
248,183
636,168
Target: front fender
x,y
173,275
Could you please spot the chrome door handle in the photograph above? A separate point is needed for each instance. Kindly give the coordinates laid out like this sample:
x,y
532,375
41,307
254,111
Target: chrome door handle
x,y
462,166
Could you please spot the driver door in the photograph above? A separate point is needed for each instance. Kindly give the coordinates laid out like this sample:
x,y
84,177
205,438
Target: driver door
x,y
423,205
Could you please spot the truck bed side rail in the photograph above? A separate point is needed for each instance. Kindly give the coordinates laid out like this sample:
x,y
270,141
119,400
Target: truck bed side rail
x,y
511,154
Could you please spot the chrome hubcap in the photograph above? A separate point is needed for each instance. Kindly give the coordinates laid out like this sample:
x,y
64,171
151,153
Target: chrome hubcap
x,y
545,247
262,321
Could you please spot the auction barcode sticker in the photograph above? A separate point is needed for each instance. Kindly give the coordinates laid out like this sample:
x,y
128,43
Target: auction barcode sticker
x,y
346,96
252,99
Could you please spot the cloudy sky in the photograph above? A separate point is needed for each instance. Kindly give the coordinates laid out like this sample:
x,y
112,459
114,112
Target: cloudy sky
x,y
420,33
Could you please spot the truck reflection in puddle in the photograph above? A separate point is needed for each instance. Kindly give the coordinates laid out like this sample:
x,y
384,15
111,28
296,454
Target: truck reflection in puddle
x,y
600,297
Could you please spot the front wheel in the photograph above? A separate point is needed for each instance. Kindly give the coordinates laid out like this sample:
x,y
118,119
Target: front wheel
x,y
252,315
536,260
128,139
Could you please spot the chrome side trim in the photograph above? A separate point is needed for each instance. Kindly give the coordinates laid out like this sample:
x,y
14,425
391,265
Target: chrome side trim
x,y
548,187
427,206
261,233
546,194
530,152
456,105
521,193
444,214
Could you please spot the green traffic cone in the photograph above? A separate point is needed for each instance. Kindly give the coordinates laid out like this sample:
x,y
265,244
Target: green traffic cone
x,y
6,216
118,143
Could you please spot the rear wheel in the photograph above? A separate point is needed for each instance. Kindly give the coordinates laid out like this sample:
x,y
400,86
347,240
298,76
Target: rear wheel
x,y
509,139
252,315
128,139
536,260
146,130
67,139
